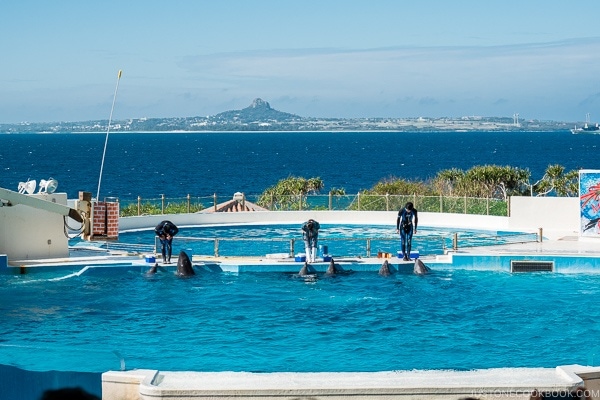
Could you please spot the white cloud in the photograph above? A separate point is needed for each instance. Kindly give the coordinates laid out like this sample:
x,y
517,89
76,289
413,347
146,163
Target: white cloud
x,y
474,78
547,81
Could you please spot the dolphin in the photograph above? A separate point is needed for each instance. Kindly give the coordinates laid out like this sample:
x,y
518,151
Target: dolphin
x,y
331,270
335,269
420,268
385,269
306,274
304,270
184,265
152,269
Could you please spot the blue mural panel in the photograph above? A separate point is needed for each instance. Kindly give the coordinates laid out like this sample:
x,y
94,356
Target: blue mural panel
x,y
589,202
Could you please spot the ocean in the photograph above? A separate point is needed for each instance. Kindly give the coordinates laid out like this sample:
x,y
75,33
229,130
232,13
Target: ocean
x,y
202,164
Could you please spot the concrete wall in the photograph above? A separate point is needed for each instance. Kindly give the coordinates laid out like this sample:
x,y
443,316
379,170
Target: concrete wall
x,y
557,216
503,383
28,233
326,217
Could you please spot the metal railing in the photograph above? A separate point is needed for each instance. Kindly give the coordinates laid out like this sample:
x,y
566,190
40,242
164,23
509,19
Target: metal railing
x,y
357,202
342,247
116,246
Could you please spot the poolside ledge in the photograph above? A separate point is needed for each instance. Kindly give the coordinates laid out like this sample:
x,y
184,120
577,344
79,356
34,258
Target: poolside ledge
x,y
499,383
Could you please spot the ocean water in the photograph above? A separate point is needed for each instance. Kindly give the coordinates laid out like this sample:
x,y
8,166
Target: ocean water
x,y
274,322
201,164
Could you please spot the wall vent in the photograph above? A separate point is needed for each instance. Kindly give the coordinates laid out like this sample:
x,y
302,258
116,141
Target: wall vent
x,y
531,266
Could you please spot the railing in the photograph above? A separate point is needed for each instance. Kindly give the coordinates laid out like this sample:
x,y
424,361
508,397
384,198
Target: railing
x,y
111,245
342,247
358,202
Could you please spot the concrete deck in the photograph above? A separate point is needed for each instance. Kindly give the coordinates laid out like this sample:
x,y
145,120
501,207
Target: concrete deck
x,y
569,253
515,383
562,245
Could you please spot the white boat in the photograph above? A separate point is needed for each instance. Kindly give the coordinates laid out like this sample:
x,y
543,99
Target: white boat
x,y
586,128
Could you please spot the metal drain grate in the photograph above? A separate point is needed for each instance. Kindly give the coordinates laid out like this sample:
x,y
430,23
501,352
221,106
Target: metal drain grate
x,y
531,266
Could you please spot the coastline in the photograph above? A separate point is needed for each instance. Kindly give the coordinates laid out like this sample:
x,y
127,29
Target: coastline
x,y
341,131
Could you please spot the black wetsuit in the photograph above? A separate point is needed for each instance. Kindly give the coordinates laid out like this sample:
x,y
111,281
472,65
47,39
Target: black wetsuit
x,y
404,223
165,231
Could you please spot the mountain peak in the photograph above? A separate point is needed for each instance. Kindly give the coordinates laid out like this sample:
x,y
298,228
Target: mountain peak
x,y
260,103
259,111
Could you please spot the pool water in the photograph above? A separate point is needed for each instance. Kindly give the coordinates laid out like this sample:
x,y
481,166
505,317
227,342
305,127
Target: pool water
x,y
111,319
341,240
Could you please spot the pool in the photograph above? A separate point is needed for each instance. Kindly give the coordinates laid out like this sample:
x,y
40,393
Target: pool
x,y
119,318
341,240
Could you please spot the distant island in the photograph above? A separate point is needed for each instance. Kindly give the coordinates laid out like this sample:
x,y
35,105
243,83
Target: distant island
x,y
259,116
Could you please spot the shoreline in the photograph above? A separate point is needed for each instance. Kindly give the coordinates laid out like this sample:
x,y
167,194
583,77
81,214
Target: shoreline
x,y
286,131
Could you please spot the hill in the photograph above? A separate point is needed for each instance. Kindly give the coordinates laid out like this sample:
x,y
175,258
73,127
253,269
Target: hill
x,y
259,111
259,116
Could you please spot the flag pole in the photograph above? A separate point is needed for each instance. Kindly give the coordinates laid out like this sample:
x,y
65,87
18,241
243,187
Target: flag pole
x,y
107,131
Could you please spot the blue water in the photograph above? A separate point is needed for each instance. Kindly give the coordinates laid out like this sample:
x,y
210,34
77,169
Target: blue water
x,y
200,164
273,322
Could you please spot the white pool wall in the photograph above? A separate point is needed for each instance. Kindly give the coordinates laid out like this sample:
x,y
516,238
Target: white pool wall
x,y
556,216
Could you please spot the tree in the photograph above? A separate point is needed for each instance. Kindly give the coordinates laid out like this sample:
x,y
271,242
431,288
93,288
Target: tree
x,y
556,180
399,190
490,181
400,186
289,193
446,180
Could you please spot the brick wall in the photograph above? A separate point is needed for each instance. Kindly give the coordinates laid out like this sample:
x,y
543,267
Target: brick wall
x,y
112,220
106,220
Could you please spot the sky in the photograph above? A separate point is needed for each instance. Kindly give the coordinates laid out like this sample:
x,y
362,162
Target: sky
x,y
313,58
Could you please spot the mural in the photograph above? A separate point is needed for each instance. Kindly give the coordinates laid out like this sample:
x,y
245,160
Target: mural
x,y
589,202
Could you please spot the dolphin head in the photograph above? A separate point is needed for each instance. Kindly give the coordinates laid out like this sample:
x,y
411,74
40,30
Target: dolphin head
x,y
420,268
385,269
152,269
184,265
304,269
331,270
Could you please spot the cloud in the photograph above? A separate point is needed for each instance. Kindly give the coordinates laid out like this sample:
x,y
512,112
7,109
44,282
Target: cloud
x,y
512,76
554,80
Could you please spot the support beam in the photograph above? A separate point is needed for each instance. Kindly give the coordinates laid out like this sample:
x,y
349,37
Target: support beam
x,y
14,198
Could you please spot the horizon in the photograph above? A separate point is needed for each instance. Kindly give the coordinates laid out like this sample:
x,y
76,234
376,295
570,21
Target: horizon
x,y
388,59
474,117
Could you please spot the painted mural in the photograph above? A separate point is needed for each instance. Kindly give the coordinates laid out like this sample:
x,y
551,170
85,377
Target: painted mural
x,y
589,201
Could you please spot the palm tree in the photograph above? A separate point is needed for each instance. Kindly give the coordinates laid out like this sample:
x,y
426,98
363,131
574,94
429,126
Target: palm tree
x,y
289,193
483,181
556,180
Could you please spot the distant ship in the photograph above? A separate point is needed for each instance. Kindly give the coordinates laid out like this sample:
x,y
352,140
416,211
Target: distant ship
x,y
586,128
